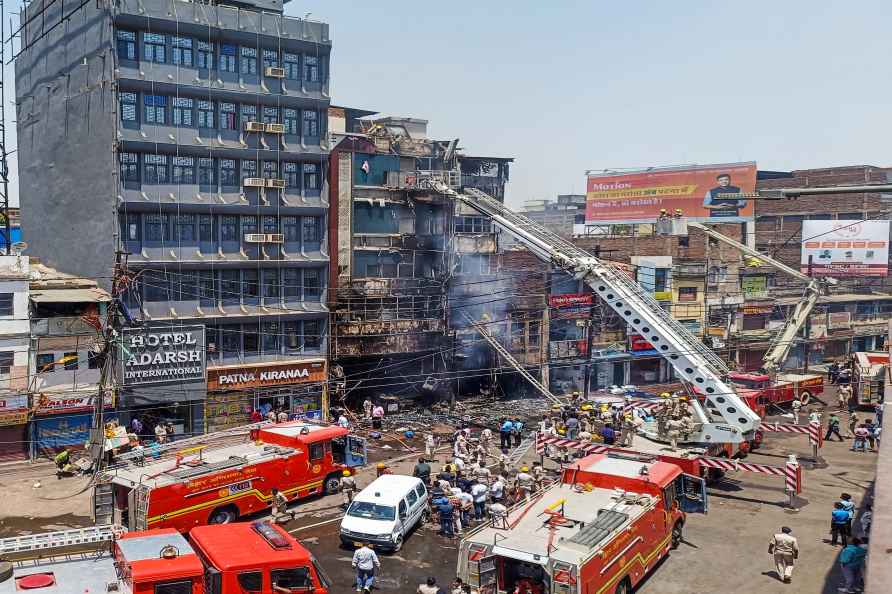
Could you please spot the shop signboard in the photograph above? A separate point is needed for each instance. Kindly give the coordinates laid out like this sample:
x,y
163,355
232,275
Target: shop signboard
x,y
714,193
845,248
839,320
570,300
52,404
158,355
227,410
232,377
754,287
62,431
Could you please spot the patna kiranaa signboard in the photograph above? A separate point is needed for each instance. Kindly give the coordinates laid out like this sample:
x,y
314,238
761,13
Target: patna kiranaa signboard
x,y
162,355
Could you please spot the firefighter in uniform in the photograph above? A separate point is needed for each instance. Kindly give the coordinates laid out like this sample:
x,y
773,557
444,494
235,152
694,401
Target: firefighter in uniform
x,y
524,483
538,476
662,413
628,430
348,487
785,549
674,428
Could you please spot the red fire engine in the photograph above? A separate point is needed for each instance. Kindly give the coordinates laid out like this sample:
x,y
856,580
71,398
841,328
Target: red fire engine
x,y
216,485
258,557
601,528
786,388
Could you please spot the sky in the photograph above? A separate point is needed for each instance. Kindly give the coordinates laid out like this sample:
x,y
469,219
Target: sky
x,y
564,87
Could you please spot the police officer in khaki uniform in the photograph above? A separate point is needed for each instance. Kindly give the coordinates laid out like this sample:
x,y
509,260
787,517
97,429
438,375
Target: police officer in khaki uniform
x,y
785,549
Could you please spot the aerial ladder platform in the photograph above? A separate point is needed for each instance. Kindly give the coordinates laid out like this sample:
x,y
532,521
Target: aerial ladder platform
x,y
723,417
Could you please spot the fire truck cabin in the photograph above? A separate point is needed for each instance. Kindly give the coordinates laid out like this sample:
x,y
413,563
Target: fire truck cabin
x,y
254,557
608,521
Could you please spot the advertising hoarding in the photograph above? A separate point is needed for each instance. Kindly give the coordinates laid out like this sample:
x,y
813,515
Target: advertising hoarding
x,y
570,299
162,355
699,191
846,248
267,374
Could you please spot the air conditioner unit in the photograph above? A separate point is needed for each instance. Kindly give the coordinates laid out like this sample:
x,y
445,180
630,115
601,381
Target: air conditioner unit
x,y
275,128
255,238
275,183
253,182
275,238
254,126
274,72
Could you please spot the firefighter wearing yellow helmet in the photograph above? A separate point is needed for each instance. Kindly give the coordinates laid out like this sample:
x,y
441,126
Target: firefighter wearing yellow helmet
x,y
348,487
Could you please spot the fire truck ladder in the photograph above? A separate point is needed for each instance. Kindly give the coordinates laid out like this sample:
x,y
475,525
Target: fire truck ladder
x,y
726,417
140,516
180,444
54,540
522,449
103,503
507,356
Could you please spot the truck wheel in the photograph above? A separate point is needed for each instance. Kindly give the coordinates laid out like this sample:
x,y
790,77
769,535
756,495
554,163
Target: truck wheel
x,y
332,485
223,515
805,397
677,534
624,587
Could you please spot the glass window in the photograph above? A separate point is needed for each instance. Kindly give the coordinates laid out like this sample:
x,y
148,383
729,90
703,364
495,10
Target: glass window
x,y
290,120
207,232
184,229
311,123
249,224
185,286
154,47
206,114
311,69
181,50
231,337
317,451
311,229
294,578
228,173
183,170
249,113
205,55
291,336
179,587
227,116
271,335
129,167
5,304
128,106
155,227
270,170
312,288
412,497
270,59
290,229
182,112
251,339
252,581
45,363
270,224
126,45
207,290
230,286
291,284
154,107
249,168
271,115
687,293
313,334
229,228
206,172
131,229
271,284
292,179
155,169
248,60
291,63
227,57
250,283
311,176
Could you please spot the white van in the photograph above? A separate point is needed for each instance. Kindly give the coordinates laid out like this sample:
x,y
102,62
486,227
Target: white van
x,y
385,512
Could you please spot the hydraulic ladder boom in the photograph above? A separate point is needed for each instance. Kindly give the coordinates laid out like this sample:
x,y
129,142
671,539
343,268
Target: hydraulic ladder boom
x,y
783,341
726,417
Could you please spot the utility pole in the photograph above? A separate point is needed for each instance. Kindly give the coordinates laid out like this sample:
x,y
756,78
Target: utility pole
x,y
590,331
806,347
4,164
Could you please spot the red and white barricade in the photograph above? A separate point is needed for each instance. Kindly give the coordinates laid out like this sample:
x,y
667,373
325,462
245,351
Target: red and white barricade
x,y
544,439
813,430
791,471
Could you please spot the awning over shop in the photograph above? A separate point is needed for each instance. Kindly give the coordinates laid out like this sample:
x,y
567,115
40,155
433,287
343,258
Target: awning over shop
x,y
94,295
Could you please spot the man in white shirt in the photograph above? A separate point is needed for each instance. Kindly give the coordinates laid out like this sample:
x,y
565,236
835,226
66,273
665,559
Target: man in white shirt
x,y
365,561
497,489
282,417
479,492
430,446
343,422
160,433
